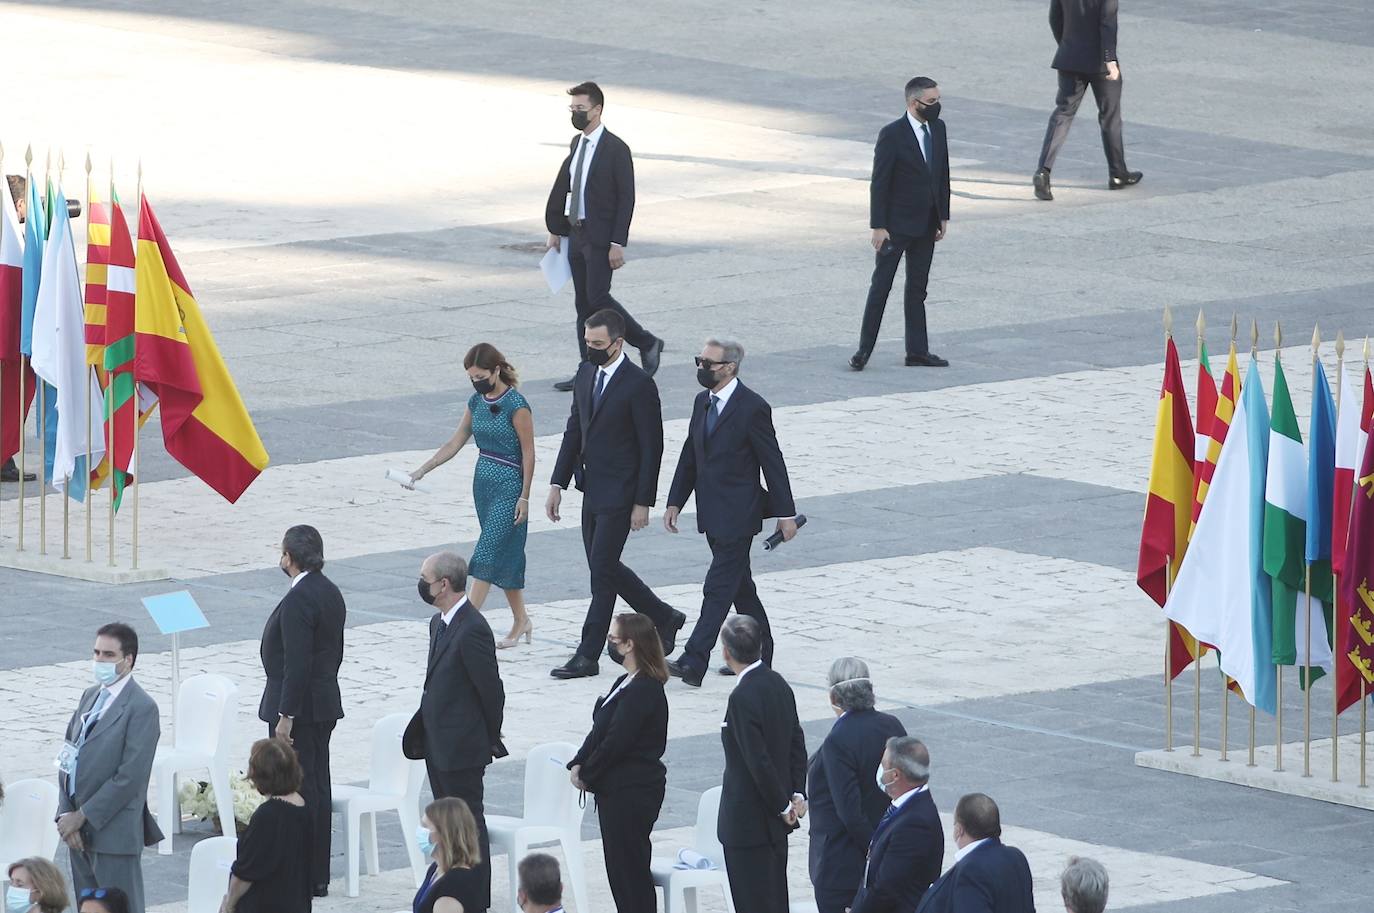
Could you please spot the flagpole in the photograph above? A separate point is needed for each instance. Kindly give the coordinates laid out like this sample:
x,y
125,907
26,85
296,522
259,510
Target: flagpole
x,y
1335,595
1278,682
1225,711
1197,645
1254,354
43,422
90,470
1168,586
1307,586
23,369
66,479
1364,696
110,394
133,374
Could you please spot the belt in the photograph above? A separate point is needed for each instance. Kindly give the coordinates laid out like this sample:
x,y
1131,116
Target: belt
x,y
504,460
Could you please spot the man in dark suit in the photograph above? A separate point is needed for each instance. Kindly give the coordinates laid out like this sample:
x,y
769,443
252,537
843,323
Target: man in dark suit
x,y
987,876
612,447
730,442
1085,31
762,789
103,772
845,803
302,649
591,204
908,212
459,722
908,845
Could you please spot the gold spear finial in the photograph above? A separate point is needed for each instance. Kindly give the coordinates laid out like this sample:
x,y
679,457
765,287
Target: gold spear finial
x,y
2,157
1168,323
1316,342
1340,345
88,164
1235,326
1278,339
1366,350
1254,336
28,157
61,164
1201,324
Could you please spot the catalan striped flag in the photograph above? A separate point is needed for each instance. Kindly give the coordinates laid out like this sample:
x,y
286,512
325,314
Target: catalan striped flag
x,y
97,265
1222,408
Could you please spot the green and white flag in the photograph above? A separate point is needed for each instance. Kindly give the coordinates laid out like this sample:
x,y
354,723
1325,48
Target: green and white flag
x,y
1285,518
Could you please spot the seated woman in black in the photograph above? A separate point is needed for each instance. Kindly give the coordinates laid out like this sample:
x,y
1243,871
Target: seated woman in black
x,y
272,871
448,835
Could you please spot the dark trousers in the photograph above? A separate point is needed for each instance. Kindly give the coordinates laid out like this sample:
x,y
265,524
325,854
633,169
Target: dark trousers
x,y
311,741
110,870
918,252
603,537
467,784
627,817
836,865
729,581
1107,93
591,275
758,877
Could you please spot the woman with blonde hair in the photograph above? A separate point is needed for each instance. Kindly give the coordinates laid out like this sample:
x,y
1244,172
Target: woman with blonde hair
x,y
453,884
498,418
36,886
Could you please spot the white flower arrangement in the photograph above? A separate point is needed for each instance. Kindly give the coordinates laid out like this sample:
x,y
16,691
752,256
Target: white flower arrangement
x,y
198,799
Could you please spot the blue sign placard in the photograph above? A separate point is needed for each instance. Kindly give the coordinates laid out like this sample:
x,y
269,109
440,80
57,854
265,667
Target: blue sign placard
x,y
175,612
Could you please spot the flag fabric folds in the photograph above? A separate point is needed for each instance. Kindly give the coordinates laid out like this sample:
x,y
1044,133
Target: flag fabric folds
x,y
1353,428
1356,626
36,219
205,426
1321,463
12,367
1285,517
1202,442
118,351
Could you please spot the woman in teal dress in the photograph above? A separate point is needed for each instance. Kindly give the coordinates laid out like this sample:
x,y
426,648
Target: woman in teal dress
x,y
498,418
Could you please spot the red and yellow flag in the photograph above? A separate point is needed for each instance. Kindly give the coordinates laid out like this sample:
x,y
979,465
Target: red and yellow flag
x,y
205,426
1355,620
97,264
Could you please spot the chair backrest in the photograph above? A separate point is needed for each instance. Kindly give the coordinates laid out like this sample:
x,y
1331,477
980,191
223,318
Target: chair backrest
x,y
550,797
705,840
26,821
392,773
211,860
206,707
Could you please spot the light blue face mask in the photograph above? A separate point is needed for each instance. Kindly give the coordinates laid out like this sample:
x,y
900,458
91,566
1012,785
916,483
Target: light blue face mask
x,y
105,673
17,900
423,840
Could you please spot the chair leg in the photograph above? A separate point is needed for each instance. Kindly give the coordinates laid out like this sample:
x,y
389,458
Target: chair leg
x,y
166,808
572,853
729,898
410,821
370,842
224,798
352,827
689,899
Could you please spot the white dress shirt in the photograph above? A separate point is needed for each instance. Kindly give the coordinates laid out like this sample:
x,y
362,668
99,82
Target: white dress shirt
x,y
586,151
902,799
620,687
916,125
447,617
297,579
609,370
723,394
969,849
116,689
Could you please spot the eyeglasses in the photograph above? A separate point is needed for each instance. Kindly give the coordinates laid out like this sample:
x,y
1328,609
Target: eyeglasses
x,y
617,640
708,363
96,893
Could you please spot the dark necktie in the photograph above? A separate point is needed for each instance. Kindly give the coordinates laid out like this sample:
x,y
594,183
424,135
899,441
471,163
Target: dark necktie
x,y
712,415
600,388
925,142
438,638
575,207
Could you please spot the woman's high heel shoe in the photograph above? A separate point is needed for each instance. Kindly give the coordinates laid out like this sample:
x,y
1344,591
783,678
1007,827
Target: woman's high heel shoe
x,y
526,632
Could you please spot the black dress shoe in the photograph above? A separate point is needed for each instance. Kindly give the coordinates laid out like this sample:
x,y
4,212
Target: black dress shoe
x,y
1117,182
927,360
10,473
675,669
1042,185
668,633
320,890
688,675
565,386
649,357
858,361
725,670
577,667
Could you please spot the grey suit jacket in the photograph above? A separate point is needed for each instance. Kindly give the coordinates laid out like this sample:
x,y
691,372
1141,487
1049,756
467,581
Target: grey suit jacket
x,y
113,771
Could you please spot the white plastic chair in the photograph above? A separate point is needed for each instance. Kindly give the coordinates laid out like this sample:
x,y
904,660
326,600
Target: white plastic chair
x,y
208,882
393,785
552,814
206,708
680,886
26,821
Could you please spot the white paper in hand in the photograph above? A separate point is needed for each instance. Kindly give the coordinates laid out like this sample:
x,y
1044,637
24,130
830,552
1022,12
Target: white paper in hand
x,y
555,267
401,477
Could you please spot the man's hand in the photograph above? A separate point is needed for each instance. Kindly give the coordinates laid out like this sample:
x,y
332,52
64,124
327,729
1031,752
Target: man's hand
x,y
670,519
788,527
942,230
284,729
879,236
789,818
575,775
639,517
799,807
551,505
552,243
69,829
1113,71
616,257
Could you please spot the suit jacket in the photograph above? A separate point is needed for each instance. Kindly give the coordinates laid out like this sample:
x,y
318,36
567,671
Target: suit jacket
x,y
613,452
458,725
845,803
629,735
302,649
765,760
113,770
994,878
608,187
904,859
909,194
723,467
1085,31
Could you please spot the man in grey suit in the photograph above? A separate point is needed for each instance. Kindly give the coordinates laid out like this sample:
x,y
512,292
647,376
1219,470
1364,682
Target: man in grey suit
x,y
102,811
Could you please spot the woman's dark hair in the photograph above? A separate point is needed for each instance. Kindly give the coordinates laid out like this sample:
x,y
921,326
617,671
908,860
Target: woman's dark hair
x,y
110,900
486,356
273,768
639,630
305,547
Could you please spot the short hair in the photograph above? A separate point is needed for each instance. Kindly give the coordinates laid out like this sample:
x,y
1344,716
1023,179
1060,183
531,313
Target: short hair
x,y
732,351
46,879
911,757
450,566
917,85
18,185
304,546
743,637
591,90
639,630
850,687
486,356
1084,885
979,816
111,900
273,768
540,879
127,637
611,320
458,846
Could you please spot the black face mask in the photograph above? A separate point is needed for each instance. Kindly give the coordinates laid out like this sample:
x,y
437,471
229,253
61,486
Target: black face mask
x,y
931,111
706,377
580,119
599,357
614,653
425,594
483,386
284,568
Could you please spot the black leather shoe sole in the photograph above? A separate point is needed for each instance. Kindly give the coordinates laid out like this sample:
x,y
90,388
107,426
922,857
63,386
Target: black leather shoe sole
x,y
858,361
1042,186
668,634
926,361
12,475
320,890
725,670
649,357
565,386
1126,180
574,669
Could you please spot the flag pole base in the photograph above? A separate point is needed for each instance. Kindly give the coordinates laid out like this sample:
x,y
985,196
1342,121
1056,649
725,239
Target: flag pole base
x,y
1289,782
78,570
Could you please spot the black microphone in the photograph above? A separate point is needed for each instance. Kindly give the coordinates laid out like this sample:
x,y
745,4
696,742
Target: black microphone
x,y
775,540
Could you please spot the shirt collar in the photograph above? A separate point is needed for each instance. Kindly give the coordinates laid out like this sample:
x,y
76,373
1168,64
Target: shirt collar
x,y
594,137
451,613
749,668
902,799
610,367
118,687
915,124
297,579
970,848
723,395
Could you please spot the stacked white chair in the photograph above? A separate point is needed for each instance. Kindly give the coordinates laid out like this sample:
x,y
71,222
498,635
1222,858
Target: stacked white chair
x,y
680,886
206,709
211,862
393,785
552,814
26,822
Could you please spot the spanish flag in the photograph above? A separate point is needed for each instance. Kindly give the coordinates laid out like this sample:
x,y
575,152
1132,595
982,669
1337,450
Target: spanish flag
x,y
205,426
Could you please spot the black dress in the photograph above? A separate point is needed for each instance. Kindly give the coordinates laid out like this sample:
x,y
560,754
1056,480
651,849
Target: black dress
x,y
274,855
463,885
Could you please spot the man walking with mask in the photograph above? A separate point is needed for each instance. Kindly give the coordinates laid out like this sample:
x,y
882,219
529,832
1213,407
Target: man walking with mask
x,y
613,448
591,203
730,444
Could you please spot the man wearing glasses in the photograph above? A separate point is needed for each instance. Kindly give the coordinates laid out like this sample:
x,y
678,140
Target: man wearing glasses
x,y
730,443
591,203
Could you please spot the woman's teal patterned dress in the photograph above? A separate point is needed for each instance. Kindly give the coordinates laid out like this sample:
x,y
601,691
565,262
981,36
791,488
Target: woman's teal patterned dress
x,y
499,557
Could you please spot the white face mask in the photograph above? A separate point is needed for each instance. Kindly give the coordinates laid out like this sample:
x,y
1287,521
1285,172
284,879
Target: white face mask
x,y
424,841
878,778
17,900
105,673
